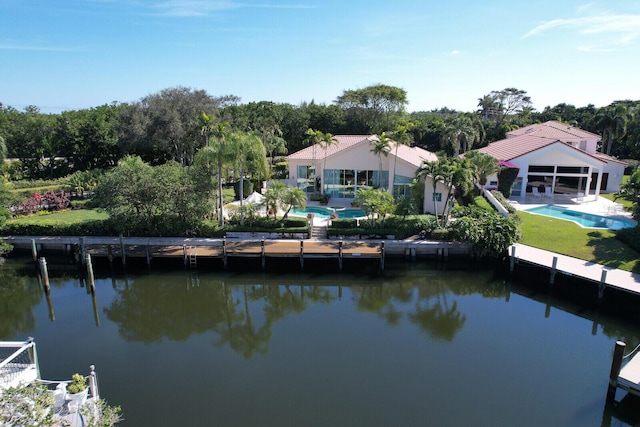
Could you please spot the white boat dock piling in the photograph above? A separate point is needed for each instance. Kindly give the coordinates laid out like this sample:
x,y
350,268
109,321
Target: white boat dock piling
x,y
616,364
34,250
45,275
92,283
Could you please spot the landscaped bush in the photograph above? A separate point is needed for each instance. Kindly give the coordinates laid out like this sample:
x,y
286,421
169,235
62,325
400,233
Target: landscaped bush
x,y
440,234
503,201
344,223
630,236
57,228
489,232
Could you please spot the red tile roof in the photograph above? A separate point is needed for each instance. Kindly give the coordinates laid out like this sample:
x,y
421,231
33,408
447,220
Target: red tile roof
x,y
510,148
554,130
413,155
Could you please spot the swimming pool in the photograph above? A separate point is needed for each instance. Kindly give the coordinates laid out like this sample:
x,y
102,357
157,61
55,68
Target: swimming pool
x,y
583,219
324,213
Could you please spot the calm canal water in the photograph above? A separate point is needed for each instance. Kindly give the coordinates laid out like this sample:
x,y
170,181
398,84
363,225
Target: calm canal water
x,y
416,346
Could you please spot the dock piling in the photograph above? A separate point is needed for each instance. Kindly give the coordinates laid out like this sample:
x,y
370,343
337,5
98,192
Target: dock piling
x,y
92,283
616,364
224,252
83,250
184,255
301,254
382,255
34,250
262,253
602,284
124,256
512,261
45,274
552,275
340,243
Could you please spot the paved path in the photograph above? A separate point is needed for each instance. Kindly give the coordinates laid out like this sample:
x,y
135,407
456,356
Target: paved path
x,y
620,279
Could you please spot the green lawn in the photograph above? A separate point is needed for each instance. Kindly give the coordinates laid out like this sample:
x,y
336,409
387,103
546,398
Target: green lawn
x,y
68,216
567,238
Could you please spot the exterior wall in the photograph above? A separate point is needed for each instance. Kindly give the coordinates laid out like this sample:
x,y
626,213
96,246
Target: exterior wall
x,y
616,172
428,206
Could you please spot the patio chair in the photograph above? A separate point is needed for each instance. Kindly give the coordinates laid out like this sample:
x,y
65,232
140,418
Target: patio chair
x,y
535,192
548,192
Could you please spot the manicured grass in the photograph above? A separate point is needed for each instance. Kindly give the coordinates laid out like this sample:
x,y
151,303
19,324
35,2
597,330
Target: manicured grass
x,y
68,216
567,238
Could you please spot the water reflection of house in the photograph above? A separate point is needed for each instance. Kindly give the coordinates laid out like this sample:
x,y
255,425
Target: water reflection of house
x,y
350,164
554,159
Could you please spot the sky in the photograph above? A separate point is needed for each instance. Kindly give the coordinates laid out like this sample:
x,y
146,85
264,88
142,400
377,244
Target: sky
x,y
74,54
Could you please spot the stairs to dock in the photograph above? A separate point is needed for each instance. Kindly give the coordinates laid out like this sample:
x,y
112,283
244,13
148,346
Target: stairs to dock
x,y
319,231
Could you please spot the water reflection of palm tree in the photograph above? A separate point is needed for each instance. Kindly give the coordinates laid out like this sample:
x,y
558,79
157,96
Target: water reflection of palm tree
x,y
241,334
441,320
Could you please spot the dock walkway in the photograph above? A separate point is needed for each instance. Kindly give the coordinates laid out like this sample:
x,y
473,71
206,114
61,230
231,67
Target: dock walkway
x,y
605,276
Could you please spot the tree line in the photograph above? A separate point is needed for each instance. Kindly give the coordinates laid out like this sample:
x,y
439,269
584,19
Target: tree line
x,y
175,123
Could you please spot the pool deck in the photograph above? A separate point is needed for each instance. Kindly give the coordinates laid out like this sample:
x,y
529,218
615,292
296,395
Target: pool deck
x,y
598,273
601,206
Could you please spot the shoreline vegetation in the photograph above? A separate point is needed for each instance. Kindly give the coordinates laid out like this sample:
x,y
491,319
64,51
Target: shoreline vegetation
x,y
171,163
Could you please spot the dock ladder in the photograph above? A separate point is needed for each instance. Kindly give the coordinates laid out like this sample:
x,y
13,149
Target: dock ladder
x,y
193,256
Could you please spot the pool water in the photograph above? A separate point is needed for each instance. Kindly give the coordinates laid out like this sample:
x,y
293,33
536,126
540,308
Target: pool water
x,y
583,219
324,213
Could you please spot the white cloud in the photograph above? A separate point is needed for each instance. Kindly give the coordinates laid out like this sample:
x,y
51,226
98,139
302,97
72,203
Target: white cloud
x,y
620,29
455,52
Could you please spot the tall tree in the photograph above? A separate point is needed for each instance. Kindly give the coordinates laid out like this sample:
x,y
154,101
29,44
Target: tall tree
x,y
373,108
402,136
326,140
463,132
381,147
504,103
612,122
250,157
483,164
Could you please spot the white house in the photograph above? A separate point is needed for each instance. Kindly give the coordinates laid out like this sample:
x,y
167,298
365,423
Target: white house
x,y
350,164
556,159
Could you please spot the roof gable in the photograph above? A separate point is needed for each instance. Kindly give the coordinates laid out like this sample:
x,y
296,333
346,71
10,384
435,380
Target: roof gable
x,y
412,155
554,130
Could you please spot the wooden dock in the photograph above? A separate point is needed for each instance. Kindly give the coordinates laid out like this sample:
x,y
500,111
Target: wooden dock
x,y
604,276
190,250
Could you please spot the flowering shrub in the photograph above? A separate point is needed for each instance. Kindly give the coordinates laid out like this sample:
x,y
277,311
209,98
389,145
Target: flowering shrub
x,y
333,216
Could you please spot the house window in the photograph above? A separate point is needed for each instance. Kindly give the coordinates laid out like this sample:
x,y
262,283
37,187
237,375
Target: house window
x,y
583,145
437,197
306,175
401,186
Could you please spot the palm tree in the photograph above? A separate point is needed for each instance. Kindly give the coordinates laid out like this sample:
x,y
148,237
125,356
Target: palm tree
x,y
218,151
313,139
484,165
401,136
250,155
326,141
612,122
273,198
381,147
462,133
293,197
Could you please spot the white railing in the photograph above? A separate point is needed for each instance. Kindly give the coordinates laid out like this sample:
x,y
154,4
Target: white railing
x,y
19,363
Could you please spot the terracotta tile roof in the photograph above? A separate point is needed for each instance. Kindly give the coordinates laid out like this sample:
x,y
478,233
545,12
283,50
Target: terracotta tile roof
x,y
555,130
344,142
511,148
606,158
413,155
